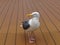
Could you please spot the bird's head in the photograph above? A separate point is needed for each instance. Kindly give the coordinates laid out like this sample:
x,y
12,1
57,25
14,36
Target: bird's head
x,y
34,14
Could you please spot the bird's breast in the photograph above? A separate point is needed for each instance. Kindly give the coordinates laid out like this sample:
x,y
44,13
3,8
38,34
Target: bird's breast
x,y
35,23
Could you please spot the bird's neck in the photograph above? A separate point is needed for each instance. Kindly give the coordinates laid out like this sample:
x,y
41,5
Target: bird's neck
x,y
35,18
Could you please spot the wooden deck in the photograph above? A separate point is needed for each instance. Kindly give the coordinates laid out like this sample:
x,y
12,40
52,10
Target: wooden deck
x,y
13,12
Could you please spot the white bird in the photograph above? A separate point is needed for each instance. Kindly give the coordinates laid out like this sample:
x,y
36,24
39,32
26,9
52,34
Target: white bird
x,y
31,24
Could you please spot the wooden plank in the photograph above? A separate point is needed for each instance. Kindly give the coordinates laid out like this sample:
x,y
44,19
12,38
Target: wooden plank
x,y
4,28
55,22
53,30
10,40
1,2
4,13
52,7
56,2
54,11
3,6
20,38
52,2
46,33
1,10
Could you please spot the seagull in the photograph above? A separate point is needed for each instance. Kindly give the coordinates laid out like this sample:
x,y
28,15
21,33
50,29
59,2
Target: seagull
x,y
31,25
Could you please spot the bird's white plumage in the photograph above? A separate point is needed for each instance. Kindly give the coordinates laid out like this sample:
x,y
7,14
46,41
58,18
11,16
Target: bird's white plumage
x,y
34,21
31,25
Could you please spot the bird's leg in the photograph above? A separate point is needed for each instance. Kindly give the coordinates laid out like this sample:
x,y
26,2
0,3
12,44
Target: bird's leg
x,y
31,37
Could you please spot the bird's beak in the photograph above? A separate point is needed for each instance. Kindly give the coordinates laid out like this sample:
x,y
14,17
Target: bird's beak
x,y
29,14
